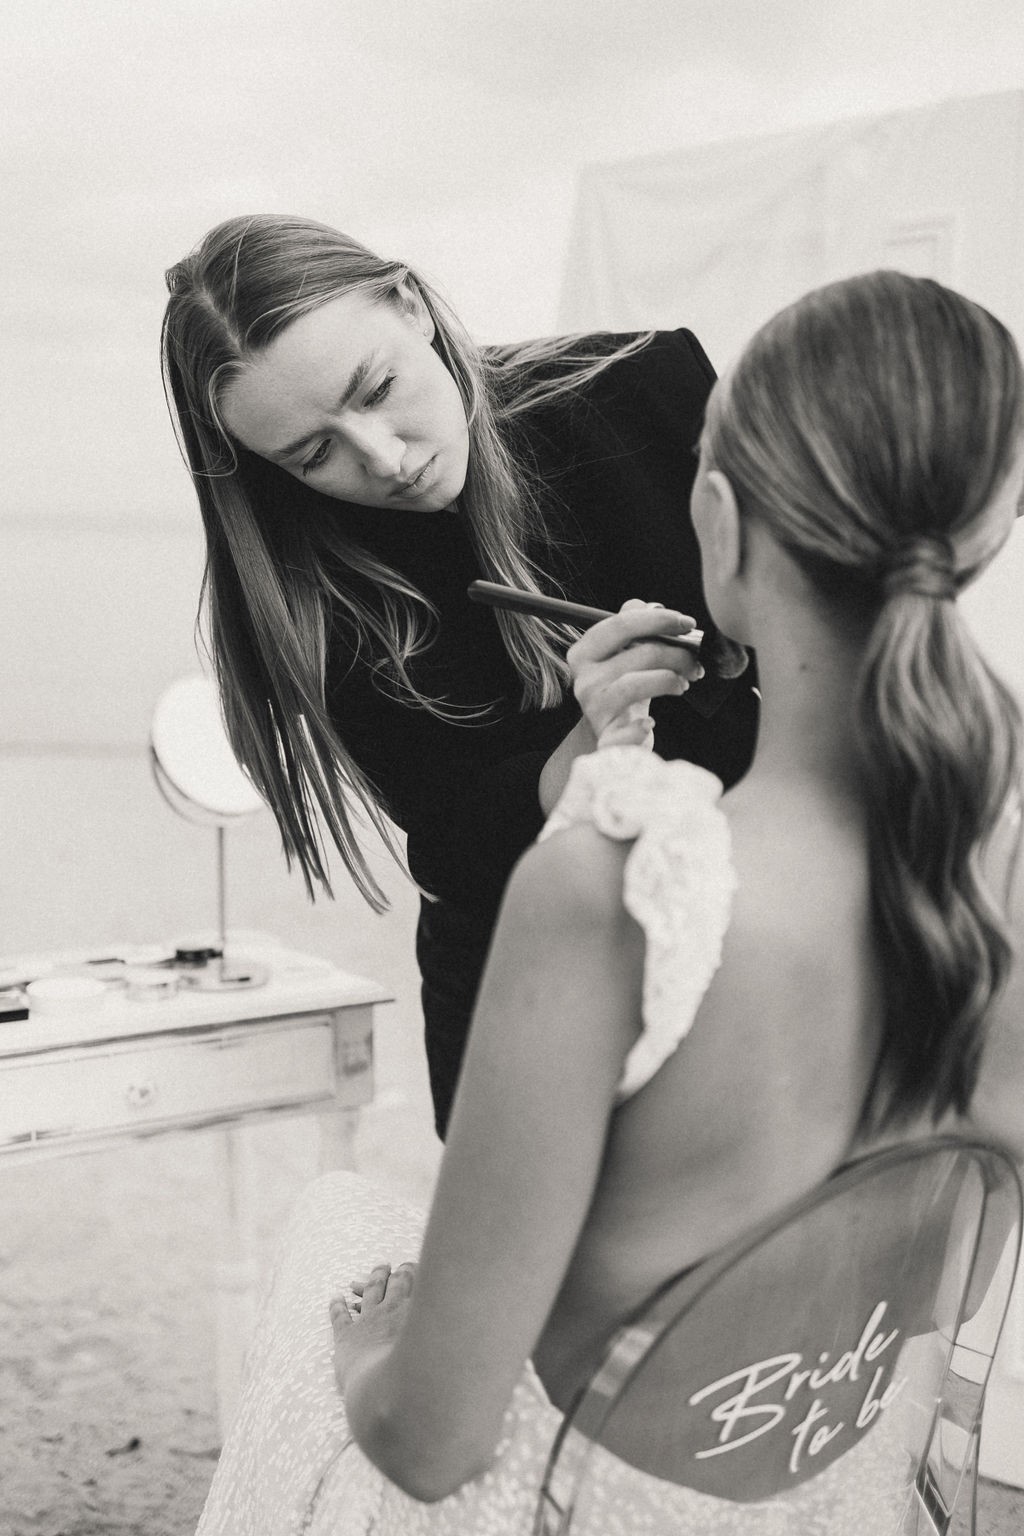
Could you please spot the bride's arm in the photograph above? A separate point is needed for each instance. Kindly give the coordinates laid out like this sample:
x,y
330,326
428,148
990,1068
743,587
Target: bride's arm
x,y
557,1013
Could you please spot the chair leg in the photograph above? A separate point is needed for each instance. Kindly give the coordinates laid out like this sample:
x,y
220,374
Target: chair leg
x,y
969,1486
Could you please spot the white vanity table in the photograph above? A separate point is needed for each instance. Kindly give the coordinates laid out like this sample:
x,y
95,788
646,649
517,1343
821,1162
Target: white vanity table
x,y
302,1043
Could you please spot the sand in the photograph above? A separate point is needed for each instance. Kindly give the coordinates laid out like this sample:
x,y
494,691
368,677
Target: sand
x,y
107,1403
107,1393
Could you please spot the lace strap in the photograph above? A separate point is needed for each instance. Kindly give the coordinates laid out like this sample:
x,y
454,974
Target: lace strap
x,y
678,881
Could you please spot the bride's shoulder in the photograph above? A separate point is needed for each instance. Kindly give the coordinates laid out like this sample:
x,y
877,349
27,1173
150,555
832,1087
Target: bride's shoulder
x,y
627,826
668,878
570,881
624,792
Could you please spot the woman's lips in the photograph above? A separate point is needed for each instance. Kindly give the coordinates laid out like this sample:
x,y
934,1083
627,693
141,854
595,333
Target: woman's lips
x,y
420,483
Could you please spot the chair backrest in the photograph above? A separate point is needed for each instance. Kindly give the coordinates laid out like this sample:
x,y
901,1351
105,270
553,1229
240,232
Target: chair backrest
x,y
812,1376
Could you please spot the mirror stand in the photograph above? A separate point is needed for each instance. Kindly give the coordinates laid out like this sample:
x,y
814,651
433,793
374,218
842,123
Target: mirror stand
x,y
198,776
222,972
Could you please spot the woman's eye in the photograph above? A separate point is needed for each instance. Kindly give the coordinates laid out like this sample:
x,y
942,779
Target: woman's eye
x,y
316,459
381,392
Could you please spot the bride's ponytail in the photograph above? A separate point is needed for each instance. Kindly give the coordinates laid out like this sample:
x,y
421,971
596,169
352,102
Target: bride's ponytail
x,y
939,741
870,427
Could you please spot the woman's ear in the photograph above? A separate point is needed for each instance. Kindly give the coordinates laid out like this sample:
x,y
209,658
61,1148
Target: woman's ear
x,y
725,528
413,308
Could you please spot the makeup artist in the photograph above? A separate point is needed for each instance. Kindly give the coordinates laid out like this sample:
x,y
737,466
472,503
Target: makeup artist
x,y
358,461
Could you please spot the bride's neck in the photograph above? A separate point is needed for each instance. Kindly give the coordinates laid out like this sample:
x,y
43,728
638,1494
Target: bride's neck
x,y
807,675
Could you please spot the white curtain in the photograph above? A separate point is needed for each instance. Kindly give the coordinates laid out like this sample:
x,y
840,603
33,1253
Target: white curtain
x,y
719,236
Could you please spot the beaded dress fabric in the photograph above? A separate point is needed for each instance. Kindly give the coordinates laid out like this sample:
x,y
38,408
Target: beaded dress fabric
x,y
289,1467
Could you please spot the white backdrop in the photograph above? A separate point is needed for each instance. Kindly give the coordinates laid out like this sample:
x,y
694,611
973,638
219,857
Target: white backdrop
x,y
719,236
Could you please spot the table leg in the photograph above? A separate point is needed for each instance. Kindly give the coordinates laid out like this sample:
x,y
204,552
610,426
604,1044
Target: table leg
x,y
236,1273
353,1068
337,1132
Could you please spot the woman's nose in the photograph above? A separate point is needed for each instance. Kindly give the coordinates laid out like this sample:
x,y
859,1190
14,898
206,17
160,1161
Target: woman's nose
x,y
380,451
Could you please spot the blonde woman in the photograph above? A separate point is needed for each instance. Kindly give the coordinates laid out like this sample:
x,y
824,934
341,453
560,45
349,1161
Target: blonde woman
x,y
358,461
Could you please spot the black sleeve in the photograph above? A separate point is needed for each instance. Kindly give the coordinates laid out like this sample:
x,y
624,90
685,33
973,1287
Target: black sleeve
x,y
478,827
620,465
465,795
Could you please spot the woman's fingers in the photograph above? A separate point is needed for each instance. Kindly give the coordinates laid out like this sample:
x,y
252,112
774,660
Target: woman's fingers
x,y
383,1282
641,656
640,622
602,698
376,1285
642,672
340,1312
402,1279
620,662
618,693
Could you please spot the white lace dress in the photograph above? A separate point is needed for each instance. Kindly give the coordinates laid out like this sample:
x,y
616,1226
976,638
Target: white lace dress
x,y
289,1466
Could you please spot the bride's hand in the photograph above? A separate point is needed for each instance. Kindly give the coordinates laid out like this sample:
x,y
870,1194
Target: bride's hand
x,y
373,1322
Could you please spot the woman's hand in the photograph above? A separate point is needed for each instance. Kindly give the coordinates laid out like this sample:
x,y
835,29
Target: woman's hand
x,y
618,666
370,1327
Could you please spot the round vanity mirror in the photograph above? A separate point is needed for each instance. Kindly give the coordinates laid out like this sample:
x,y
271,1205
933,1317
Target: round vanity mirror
x,y
193,757
199,776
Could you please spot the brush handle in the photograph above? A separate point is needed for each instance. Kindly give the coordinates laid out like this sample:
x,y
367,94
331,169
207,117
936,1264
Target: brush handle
x,y
494,595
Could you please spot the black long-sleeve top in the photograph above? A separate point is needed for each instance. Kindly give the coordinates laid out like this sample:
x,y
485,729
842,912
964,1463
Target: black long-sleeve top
x,y
614,468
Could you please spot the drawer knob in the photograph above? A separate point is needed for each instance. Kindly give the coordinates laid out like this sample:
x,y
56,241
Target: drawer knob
x,y
140,1095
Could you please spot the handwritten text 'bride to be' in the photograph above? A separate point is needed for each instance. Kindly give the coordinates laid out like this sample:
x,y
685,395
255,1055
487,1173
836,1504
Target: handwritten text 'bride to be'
x,y
749,1410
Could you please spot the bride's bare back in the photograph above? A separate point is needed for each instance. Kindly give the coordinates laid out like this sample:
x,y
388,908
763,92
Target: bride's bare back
x,y
760,1100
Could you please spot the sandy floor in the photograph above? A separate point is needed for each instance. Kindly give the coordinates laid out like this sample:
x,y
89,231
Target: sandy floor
x,y
107,1396
107,1409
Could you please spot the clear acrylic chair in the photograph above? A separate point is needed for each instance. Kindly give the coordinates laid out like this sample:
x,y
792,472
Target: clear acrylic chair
x,y
824,1373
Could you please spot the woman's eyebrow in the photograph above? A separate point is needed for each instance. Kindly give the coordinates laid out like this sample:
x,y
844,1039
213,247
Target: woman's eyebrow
x,y
357,378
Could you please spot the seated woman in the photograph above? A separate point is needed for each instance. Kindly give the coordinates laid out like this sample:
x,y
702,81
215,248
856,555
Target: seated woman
x,y
697,1005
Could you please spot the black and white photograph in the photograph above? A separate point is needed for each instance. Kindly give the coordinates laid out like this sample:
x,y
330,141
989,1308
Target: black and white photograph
x,y
512,768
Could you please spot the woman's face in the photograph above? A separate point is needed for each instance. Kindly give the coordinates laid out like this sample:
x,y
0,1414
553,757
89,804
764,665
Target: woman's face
x,y
352,399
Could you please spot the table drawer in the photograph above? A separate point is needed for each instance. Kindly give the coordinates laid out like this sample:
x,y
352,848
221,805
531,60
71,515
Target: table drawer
x,y
120,1087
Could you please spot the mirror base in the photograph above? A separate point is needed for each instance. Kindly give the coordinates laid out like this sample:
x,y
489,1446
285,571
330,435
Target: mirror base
x,y
233,974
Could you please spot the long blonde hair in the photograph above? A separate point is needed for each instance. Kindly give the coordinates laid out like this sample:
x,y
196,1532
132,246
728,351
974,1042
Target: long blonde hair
x,y
868,426
271,586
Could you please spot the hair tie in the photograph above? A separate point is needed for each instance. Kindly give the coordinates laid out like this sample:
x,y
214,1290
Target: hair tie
x,y
924,566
